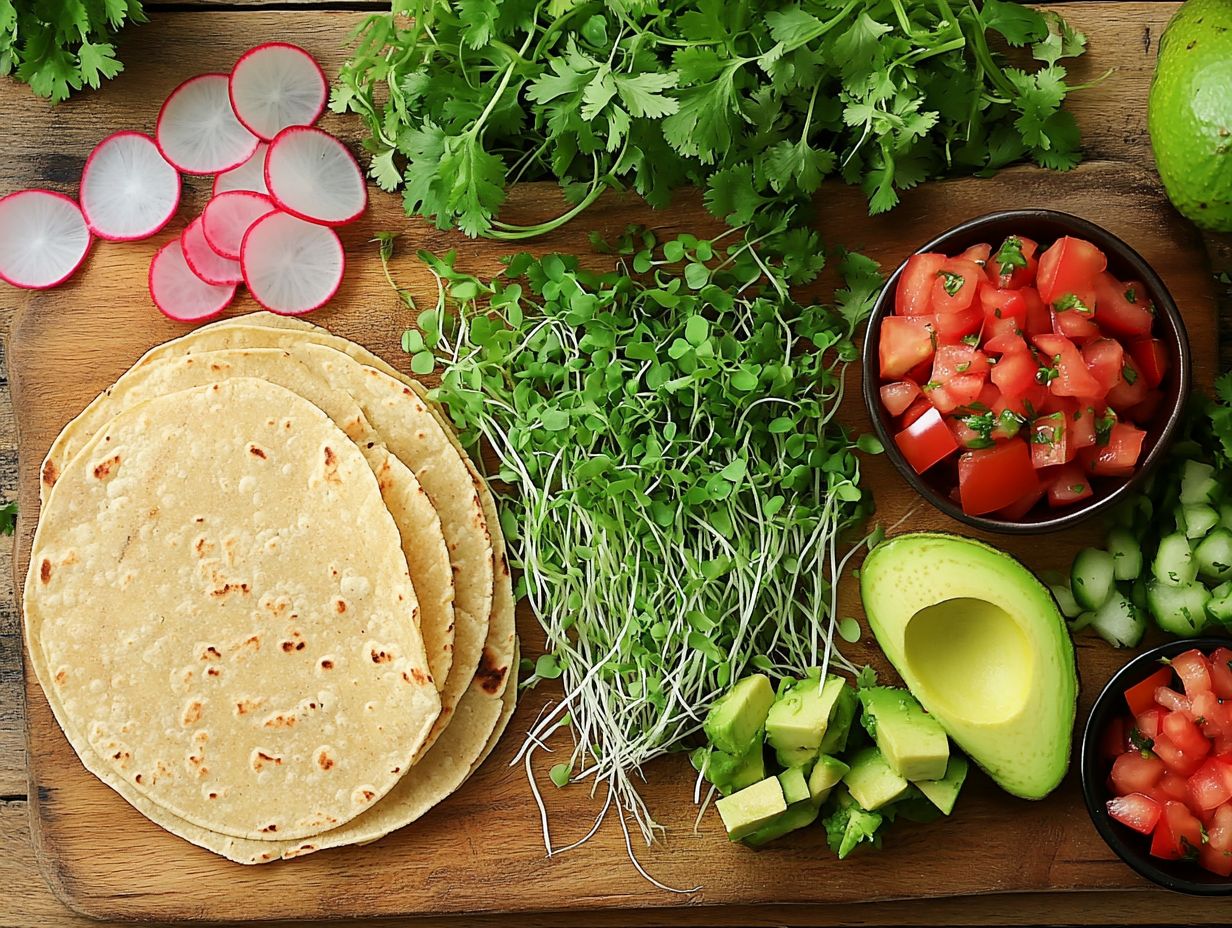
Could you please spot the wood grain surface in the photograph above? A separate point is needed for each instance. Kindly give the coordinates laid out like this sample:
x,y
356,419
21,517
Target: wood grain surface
x,y
48,148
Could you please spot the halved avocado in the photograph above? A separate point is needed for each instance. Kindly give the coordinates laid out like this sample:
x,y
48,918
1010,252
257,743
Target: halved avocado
x,y
979,641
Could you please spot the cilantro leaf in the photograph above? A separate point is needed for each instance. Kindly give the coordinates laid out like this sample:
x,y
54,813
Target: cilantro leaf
x,y
8,517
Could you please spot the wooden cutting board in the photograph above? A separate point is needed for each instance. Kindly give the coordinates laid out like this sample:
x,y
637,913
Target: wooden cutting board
x,y
482,849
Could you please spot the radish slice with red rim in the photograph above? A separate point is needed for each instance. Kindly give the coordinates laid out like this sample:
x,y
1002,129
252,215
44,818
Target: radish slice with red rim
x,y
181,294
248,176
228,216
204,261
197,129
312,175
128,190
292,266
43,239
277,85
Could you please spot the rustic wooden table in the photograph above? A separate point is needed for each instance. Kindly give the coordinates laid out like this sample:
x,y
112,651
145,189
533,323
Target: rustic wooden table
x,y
46,147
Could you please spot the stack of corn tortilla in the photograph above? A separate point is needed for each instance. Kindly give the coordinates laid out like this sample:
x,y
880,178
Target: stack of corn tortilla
x,y
268,599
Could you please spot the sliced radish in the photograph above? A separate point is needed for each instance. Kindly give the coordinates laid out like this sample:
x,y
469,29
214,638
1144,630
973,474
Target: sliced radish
x,y
292,266
229,215
197,129
43,239
128,190
277,85
248,176
181,294
204,261
312,175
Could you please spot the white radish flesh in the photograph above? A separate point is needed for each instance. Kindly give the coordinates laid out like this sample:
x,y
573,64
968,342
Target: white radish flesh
x,y
277,85
43,239
292,266
197,129
312,175
228,216
128,190
204,261
248,176
181,294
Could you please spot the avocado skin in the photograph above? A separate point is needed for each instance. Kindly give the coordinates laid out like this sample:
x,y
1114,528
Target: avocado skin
x,y
1069,682
1189,112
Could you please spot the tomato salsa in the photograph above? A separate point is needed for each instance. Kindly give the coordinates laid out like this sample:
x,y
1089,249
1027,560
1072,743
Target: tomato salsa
x,y
1026,372
1171,756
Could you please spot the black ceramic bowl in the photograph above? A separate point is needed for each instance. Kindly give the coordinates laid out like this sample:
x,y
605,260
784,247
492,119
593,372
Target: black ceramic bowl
x,y
1180,875
1044,226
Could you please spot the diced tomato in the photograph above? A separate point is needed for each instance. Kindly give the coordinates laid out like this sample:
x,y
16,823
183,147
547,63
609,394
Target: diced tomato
x,y
977,254
1176,760
1139,812
1015,511
1082,432
905,342
1194,671
926,441
1211,715
952,328
1069,485
1119,457
955,286
1068,267
958,390
1216,861
1074,317
1220,833
1015,373
1178,833
1050,440
1151,358
1141,696
1221,672
1039,317
1181,730
1067,372
914,411
1116,312
896,397
1004,342
1104,358
995,477
1003,305
1130,389
1146,411
1150,722
1014,274
920,373
915,287
952,360
966,436
1133,773
1208,786
1171,786
1171,700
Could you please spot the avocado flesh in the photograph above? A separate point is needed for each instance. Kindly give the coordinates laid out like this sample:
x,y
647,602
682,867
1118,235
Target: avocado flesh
x,y
912,742
943,793
754,806
735,720
1189,112
979,641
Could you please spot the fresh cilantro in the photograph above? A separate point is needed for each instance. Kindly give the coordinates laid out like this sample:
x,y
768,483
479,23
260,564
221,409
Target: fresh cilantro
x,y
1009,256
1137,740
60,47
8,518
979,443
932,385
1046,375
1077,487
1074,302
755,103
1131,295
1103,427
963,367
951,282
1130,375
973,340
1010,422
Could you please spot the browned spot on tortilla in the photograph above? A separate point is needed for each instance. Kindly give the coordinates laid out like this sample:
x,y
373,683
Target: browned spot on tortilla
x,y
340,606
281,720
381,656
257,452
489,674
417,675
260,759
212,671
252,641
270,828
327,664
215,366
324,761
210,653
406,391
228,588
331,466
45,571
199,519
61,677
138,778
192,713
244,706
103,469
69,559
50,473
212,796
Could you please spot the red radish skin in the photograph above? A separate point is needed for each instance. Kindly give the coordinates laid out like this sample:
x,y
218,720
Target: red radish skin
x,y
179,293
229,215
204,261
312,175
248,176
129,191
277,85
197,131
43,239
292,266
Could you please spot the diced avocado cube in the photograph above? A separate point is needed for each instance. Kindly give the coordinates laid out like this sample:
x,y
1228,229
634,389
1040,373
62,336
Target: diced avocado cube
x,y
913,742
795,785
728,772
845,707
871,781
750,769
943,793
827,773
796,757
798,815
737,716
751,808
799,717
849,825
